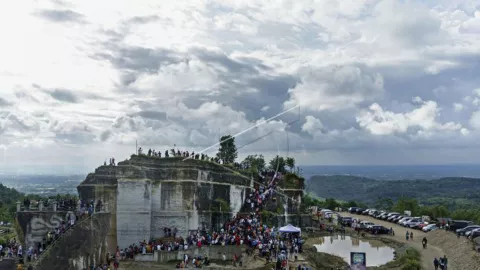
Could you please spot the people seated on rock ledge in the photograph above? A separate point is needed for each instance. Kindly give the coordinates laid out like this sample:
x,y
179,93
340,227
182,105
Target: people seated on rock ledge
x,y
179,153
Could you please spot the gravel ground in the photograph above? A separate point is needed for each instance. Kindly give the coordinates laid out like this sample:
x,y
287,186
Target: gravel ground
x,y
459,251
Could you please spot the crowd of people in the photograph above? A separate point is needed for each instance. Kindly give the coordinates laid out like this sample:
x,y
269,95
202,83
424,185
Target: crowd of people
x,y
14,248
63,204
243,229
11,249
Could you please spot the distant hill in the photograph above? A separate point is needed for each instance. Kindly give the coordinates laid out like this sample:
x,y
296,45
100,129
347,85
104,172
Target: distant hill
x,y
450,190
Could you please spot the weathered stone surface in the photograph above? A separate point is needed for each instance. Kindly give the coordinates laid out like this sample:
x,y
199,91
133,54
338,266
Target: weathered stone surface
x,y
147,194
80,247
35,225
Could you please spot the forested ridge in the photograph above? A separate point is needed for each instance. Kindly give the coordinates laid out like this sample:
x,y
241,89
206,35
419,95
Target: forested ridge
x,y
450,191
8,198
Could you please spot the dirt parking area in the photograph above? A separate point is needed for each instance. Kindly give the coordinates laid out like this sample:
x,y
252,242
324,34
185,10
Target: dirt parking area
x,y
459,251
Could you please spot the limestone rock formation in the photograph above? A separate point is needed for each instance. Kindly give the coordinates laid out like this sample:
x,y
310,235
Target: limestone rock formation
x,y
146,194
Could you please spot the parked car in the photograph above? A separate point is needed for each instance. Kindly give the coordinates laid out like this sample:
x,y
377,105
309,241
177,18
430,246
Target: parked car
x,y
463,231
474,234
391,214
352,210
430,227
459,224
397,218
379,229
404,220
365,224
421,225
468,233
383,215
346,221
412,223
390,218
365,212
360,210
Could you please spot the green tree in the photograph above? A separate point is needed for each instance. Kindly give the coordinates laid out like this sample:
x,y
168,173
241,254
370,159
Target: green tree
x,y
331,203
254,162
290,163
384,204
407,204
227,152
278,162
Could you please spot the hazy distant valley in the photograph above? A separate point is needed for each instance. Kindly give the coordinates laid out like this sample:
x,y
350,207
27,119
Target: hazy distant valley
x,y
45,185
450,191
325,184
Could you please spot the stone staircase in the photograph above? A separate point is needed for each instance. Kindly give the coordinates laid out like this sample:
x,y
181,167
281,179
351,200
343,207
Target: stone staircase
x,y
52,245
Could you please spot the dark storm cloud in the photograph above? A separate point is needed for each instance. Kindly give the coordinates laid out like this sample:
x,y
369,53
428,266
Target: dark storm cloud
x,y
77,137
152,115
455,82
105,135
61,16
138,59
271,92
64,95
143,19
222,59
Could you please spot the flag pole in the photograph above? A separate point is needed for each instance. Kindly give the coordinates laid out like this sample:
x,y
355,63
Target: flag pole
x,y
136,148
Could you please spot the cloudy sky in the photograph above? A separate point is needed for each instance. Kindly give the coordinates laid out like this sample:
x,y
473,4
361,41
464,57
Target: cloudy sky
x,y
377,82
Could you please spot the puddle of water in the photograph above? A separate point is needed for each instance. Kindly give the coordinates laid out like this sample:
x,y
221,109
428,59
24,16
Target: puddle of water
x,y
377,253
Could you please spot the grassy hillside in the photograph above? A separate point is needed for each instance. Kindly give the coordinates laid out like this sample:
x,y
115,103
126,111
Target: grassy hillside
x,y
452,191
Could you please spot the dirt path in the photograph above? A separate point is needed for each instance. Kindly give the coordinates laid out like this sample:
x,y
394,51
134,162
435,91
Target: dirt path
x,y
428,254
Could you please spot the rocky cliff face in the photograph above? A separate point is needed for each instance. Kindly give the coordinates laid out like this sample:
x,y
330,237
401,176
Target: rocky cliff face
x,y
79,247
146,194
34,225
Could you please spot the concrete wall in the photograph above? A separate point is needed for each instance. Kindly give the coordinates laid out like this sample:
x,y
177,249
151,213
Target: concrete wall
x,y
213,253
146,194
34,225
145,207
79,247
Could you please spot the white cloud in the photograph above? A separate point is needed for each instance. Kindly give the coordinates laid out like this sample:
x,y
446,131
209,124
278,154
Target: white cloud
x,y
380,122
475,120
312,124
457,107
335,88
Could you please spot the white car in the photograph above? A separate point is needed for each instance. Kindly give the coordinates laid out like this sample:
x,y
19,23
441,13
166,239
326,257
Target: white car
x,y
365,224
467,229
404,220
413,223
467,234
430,227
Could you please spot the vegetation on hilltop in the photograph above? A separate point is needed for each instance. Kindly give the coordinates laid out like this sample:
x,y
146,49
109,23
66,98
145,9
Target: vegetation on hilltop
x,y
452,192
8,199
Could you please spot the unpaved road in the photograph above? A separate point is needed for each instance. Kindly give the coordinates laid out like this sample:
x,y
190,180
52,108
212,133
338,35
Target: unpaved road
x,y
432,251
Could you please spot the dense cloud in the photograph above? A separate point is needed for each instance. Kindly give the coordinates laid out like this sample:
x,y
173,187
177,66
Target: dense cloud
x,y
377,82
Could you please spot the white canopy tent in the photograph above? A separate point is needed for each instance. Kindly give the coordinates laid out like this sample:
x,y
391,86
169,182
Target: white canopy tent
x,y
290,229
